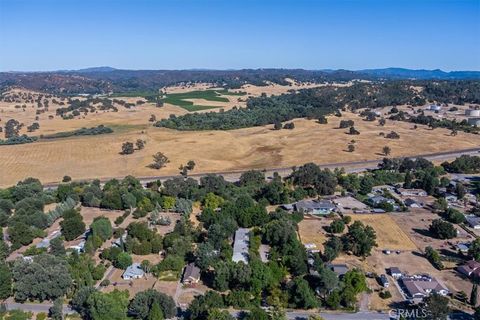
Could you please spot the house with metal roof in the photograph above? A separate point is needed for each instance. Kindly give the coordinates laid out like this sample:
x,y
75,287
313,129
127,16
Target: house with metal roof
x,y
473,221
133,271
240,245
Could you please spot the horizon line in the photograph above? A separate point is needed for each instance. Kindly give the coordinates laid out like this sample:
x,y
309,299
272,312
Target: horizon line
x,y
234,69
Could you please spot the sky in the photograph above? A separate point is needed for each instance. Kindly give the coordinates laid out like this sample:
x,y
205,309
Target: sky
x,y
42,35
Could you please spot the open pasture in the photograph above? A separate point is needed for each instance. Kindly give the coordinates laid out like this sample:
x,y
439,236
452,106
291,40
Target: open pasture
x,y
99,156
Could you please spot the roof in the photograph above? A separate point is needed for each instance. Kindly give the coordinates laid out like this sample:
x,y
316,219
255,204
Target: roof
x,y
240,246
339,269
191,271
378,199
469,267
410,201
307,205
423,286
473,220
134,270
463,246
395,270
410,191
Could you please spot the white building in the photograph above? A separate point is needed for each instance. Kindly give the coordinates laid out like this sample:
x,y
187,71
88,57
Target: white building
x,y
240,245
134,271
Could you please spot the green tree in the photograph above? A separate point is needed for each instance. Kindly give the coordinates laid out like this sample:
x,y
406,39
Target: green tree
x,y
72,225
5,281
123,261
127,148
360,239
159,161
108,306
437,307
386,151
442,229
57,248
434,257
143,303
45,278
337,226
474,249
140,144
474,295
102,227
302,296
56,311
155,312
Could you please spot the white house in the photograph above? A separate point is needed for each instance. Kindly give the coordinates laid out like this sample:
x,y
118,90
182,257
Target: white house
x,y
134,271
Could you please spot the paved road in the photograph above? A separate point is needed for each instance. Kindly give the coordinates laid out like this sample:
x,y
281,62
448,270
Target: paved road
x,y
352,166
303,315
36,307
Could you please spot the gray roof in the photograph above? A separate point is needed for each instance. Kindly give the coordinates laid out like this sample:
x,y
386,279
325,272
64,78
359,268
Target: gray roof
x,y
134,270
423,287
395,270
307,205
240,246
339,269
473,220
191,271
379,199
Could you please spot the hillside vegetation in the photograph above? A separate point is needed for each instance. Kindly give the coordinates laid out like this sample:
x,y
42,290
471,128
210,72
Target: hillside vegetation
x,y
318,102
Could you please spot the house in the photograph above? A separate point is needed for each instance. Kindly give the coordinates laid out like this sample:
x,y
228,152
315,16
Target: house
x,y
120,241
470,268
134,271
384,281
451,198
434,107
45,243
412,203
412,192
463,247
376,200
80,247
339,269
419,287
315,207
240,245
395,272
473,221
191,274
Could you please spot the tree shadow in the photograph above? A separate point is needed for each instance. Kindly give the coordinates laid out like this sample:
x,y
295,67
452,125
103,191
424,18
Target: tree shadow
x,y
423,232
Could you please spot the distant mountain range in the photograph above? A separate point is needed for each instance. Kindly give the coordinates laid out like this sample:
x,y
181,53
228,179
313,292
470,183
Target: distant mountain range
x,y
401,73
387,73
104,79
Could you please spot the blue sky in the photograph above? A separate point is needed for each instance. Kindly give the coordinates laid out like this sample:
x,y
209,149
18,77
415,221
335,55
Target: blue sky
x,y
40,35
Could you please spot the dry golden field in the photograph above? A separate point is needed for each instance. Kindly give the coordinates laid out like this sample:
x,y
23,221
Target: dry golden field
x,y
98,156
311,230
258,147
389,234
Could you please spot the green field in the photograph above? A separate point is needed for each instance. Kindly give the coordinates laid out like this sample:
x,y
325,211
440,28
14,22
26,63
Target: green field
x,y
179,99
